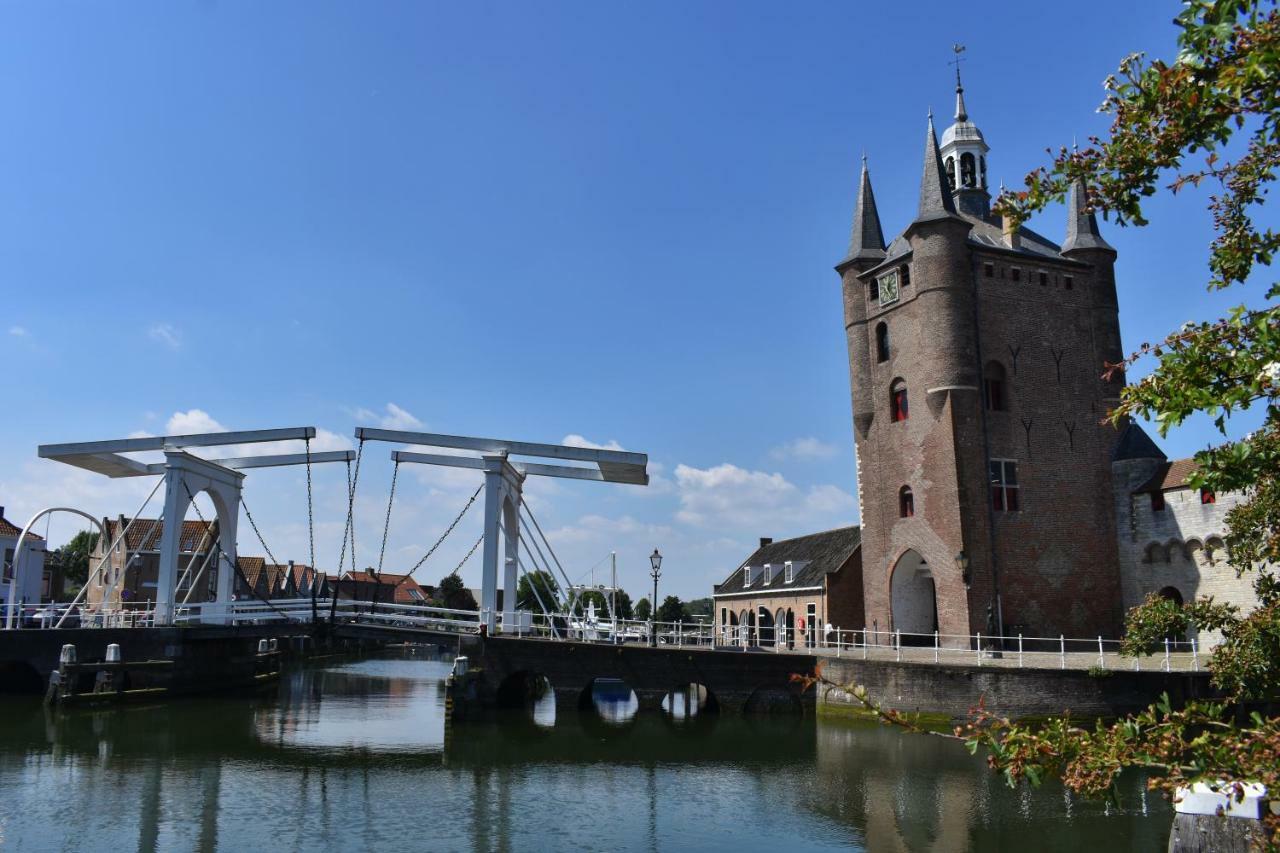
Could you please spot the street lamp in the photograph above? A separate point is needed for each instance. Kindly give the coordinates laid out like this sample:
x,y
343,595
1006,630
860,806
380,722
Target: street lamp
x,y
655,562
962,563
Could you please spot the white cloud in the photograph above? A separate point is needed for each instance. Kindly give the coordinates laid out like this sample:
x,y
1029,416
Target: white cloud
x,y
167,334
18,331
575,440
803,448
730,498
602,529
395,417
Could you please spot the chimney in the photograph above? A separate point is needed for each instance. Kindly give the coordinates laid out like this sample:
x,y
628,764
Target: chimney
x,y
1010,232
766,540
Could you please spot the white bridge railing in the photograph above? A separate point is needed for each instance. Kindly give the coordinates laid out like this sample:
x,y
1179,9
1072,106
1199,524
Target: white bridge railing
x,y
975,649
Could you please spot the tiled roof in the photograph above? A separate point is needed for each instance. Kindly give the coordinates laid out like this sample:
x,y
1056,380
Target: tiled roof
x,y
7,528
821,554
145,533
404,585
251,568
1170,475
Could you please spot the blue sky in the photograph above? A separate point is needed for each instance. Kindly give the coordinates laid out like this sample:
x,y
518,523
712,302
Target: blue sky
x,y
574,221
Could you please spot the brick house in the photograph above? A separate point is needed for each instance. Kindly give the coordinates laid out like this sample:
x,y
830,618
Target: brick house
x,y
976,360
789,591
132,569
1172,536
384,587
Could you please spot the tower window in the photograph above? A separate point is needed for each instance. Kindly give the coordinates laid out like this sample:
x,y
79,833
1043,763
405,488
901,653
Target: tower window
x,y
968,170
882,342
1207,496
898,401
873,290
1016,274
989,270
1004,485
1068,282
993,379
906,503
1157,501
1044,279
951,172
905,271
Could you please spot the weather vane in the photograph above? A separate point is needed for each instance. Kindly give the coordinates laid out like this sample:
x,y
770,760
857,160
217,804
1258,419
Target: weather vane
x,y
957,49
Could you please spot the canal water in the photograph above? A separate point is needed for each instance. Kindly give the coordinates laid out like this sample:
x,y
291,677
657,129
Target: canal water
x,y
355,756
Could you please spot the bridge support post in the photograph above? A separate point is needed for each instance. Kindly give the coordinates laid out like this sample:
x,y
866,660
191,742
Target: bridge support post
x,y
186,476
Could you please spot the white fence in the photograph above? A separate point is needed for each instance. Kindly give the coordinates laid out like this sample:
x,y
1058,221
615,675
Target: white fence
x,y
976,649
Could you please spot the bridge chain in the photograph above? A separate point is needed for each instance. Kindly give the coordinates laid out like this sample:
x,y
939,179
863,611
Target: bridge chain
x,y
445,536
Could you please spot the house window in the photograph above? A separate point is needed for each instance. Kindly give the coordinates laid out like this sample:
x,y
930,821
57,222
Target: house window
x,y
1016,274
789,572
1068,282
888,287
1157,501
746,576
7,571
906,503
993,378
1207,496
1004,485
1044,279
905,271
898,401
768,573
724,616
882,342
989,270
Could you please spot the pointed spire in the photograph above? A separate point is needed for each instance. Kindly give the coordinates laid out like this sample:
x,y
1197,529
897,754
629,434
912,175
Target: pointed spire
x,y
935,195
1082,225
867,240
961,115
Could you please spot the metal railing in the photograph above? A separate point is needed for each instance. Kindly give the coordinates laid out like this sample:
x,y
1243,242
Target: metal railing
x,y
1018,651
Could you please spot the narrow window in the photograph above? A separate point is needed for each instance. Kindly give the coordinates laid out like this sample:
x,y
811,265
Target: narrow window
x,y
1207,496
1004,485
989,270
768,573
1157,501
968,170
905,271
993,379
951,172
746,576
1044,279
1068,282
789,573
882,342
898,401
724,616
873,290
906,503
1016,274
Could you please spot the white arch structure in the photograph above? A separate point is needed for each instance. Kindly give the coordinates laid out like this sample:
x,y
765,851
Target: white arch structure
x,y
18,555
185,476
503,487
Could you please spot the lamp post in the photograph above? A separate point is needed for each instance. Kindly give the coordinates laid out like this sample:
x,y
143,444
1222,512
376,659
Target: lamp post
x,y
655,563
962,563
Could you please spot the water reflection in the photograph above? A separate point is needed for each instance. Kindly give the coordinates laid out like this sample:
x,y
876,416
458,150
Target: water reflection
x,y
357,757
614,701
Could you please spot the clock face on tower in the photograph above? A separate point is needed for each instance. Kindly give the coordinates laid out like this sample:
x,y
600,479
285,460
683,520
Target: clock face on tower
x,y
888,288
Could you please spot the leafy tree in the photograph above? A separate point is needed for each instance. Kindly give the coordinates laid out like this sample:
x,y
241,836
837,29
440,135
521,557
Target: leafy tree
x,y
697,607
74,556
622,601
547,590
642,609
453,594
671,610
1223,83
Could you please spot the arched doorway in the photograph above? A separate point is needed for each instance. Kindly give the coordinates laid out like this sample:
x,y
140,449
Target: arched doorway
x,y
1171,593
780,627
913,598
764,625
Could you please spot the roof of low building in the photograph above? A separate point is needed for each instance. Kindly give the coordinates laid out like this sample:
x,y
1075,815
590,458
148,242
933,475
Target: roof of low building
x,y
820,553
8,528
251,568
1169,476
145,534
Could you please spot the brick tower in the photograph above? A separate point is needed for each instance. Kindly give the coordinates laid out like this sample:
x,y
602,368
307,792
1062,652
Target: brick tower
x,y
976,356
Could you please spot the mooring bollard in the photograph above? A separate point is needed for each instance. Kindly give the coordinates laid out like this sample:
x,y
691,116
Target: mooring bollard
x,y
937,645
1102,661
263,647
1019,651
68,654
113,653
460,666
979,648
274,645
1062,650
1166,654
1195,656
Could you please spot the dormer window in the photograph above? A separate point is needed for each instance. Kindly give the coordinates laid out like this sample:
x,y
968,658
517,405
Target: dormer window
x,y
789,572
768,573
746,576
